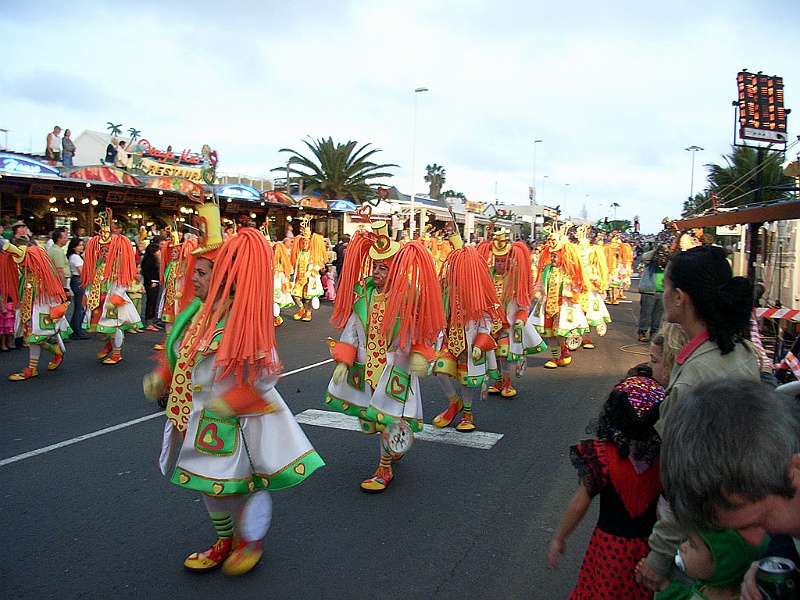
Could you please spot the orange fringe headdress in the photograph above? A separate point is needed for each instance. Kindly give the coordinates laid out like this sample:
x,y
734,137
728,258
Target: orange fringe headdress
x,y
282,261
414,299
240,294
518,285
467,288
35,261
316,245
570,262
357,266
119,266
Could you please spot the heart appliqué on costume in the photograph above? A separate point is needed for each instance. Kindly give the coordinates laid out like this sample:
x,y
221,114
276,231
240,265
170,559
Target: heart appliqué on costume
x,y
179,389
300,469
218,487
396,386
183,478
209,438
251,486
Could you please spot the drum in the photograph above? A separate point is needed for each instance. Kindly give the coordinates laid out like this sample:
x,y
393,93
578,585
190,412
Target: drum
x,y
397,438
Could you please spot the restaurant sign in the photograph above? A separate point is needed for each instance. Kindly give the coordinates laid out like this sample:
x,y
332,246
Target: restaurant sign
x,y
19,165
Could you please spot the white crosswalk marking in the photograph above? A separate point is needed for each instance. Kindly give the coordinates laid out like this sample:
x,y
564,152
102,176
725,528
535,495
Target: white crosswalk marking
x,y
482,440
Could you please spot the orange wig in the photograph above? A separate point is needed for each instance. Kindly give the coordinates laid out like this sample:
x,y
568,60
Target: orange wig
x,y
467,288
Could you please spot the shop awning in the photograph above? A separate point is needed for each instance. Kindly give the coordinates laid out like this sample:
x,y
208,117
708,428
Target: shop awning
x,y
779,211
313,202
277,198
194,191
343,205
21,166
104,175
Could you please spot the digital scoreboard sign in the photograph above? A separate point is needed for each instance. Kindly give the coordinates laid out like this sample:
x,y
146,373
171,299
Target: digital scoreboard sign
x,y
762,115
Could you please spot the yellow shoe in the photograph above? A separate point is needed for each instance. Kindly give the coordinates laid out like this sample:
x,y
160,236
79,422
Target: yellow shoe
x,y
211,558
563,362
243,559
158,346
508,392
113,359
551,364
300,314
493,389
278,321
466,423
26,373
307,316
379,481
589,346
105,351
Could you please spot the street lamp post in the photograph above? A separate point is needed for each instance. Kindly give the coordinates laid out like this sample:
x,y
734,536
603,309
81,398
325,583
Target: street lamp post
x,y
533,198
411,222
693,150
544,180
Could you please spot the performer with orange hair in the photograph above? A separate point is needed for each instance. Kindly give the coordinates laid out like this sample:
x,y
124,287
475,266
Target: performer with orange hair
x,y
557,291
390,321
229,433
466,345
595,274
281,287
42,306
516,339
109,268
308,258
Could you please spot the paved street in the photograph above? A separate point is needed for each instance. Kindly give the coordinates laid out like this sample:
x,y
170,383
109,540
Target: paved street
x,y
87,514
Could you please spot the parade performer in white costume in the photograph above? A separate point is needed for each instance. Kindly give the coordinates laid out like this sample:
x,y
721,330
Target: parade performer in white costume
x,y
390,321
595,273
465,347
229,434
308,259
516,338
109,268
28,277
557,293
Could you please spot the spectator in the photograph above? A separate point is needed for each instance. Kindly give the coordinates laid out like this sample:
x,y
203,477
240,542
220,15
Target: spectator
x,y
75,259
122,158
111,152
621,465
151,277
651,292
58,256
664,349
398,223
340,248
713,309
746,476
68,149
53,149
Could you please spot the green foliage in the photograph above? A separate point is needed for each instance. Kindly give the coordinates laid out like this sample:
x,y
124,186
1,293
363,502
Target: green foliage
x,y
435,177
336,170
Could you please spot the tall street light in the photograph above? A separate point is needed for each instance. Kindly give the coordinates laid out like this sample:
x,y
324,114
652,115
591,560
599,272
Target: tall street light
x,y
544,180
411,222
533,197
693,150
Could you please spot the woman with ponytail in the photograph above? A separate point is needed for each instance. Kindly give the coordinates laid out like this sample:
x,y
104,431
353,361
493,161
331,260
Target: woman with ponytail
x,y
713,309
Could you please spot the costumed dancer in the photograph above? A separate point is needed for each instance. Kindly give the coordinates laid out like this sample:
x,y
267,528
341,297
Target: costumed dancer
x,y
595,274
390,321
177,264
465,347
516,338
229,434
282,286
616,269
28,277
557,293
109,268
308,258
627,267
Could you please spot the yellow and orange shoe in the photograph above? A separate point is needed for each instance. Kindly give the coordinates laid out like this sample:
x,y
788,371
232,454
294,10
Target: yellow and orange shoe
x,y
378,482
466,423
564,360
58,358
300,314
105,351
551,364
26,373
243,559
494,389
444,419
113,359
278,321
307,316
158,346
211,558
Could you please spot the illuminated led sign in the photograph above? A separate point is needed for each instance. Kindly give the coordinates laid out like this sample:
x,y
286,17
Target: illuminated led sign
x,y
18,165
245,192
762,115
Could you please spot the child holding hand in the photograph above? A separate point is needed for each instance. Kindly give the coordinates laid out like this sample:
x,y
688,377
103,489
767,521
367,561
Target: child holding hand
x,y
621,466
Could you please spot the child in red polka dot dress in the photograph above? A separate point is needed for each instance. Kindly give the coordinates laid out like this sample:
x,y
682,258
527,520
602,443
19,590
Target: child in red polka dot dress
x,y
621,465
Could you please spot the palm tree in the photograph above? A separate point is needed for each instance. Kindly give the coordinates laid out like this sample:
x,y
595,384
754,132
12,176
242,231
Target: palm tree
x,y
435,178
114,129
336,170
134,133
736,183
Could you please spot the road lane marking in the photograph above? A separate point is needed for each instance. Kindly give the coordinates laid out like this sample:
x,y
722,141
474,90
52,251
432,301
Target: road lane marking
x,y
88,436
482,440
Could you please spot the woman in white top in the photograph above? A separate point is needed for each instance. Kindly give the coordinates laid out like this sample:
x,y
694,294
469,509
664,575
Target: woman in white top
x,y
75,257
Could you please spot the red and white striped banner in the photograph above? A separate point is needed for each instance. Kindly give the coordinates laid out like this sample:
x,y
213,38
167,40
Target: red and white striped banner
x,y
779,313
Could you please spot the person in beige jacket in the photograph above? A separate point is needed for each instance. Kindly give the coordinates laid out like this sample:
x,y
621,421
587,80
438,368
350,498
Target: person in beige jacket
x,y
713,308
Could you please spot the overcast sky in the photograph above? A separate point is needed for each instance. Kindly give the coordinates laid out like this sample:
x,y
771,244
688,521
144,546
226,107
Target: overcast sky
x,y
616,90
